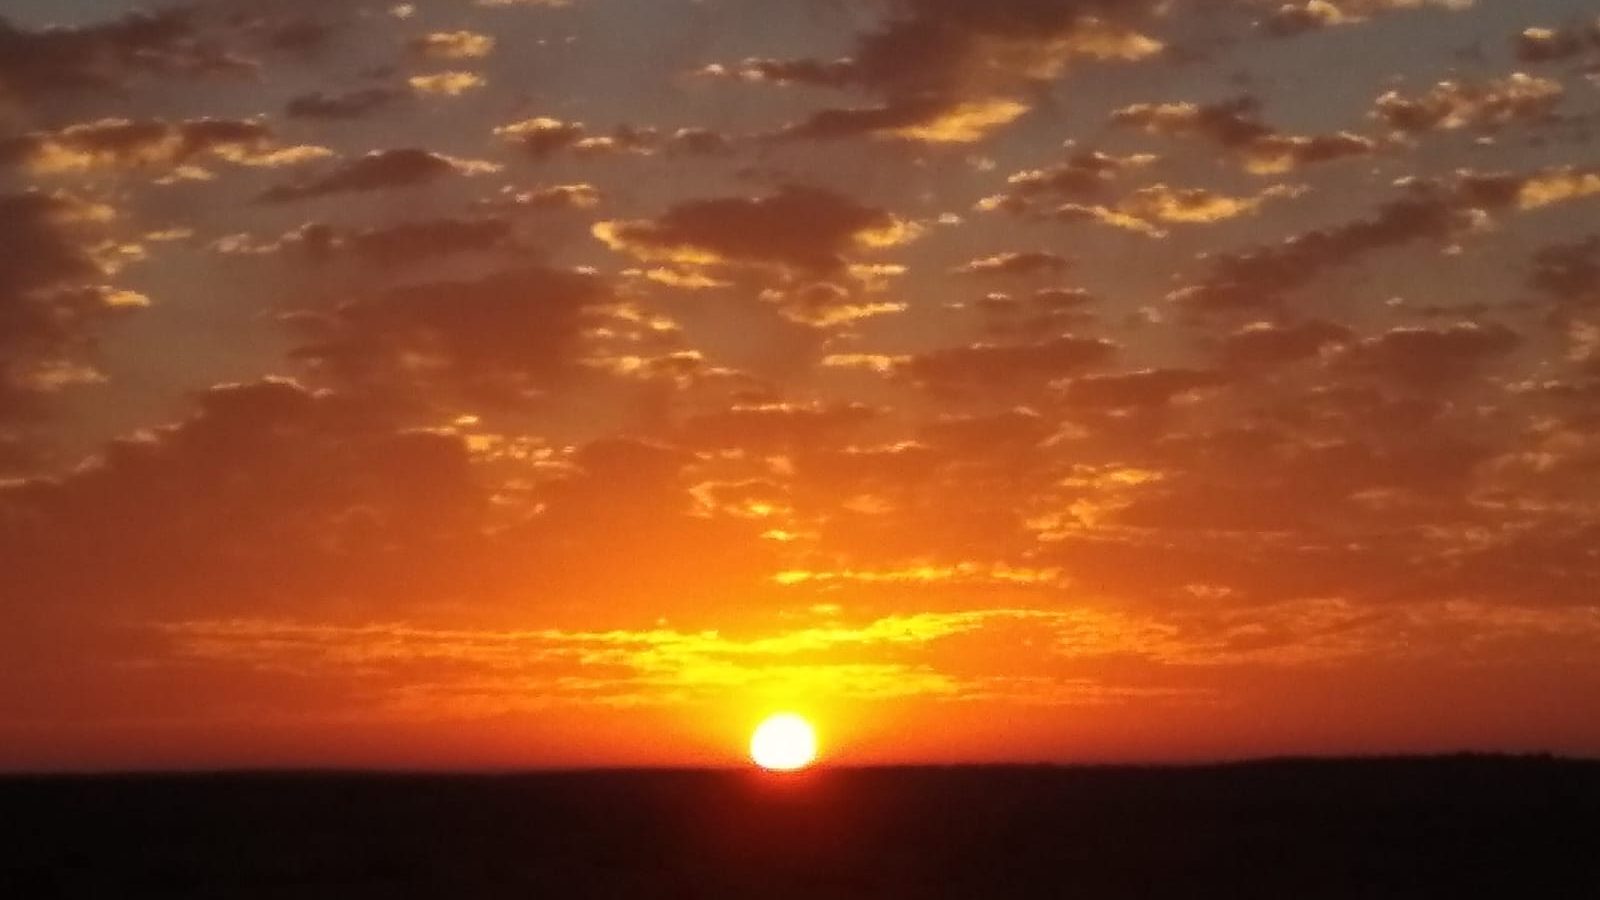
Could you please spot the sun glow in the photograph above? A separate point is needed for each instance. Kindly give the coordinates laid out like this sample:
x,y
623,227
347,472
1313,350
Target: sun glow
x,y
783,743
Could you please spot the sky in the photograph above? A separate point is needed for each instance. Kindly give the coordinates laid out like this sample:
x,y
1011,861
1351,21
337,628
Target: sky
x,y
484,383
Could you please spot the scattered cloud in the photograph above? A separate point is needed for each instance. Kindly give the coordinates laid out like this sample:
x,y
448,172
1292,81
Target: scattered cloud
x,y
1491,104
492,340
380,170
446,84
452,45
800,228
1016,263
354,104
1233,125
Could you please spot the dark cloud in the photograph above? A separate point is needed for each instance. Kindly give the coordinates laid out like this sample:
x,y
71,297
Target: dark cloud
x,y
355,104
1569,273
542,137
498,340
1235,126
1035,316
802,228
1265,344
1006,366
392,246
951,48
950,71
699,142
1134,390
103,56
304,36
380,170
1537,45
270,498
1259,278
1423,357
1086,175
52,300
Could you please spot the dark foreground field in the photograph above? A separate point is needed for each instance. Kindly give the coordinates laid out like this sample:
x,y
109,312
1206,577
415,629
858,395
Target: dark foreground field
x,y
1455,827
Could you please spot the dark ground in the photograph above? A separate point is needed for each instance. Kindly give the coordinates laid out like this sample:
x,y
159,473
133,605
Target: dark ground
x,y
1448,827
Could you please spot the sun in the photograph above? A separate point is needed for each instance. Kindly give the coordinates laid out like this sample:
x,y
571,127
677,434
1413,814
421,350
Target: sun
x,y
783,743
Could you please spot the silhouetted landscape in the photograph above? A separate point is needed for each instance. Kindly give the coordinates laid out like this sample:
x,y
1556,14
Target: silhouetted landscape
x,y
1453,826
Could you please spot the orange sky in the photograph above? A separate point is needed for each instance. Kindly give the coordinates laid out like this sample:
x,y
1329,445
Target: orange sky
x,y
575,382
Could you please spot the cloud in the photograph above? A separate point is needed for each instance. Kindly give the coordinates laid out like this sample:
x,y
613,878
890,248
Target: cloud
x,y
1146,210
1423,357
698,142
1557,185
499,340
53,298
1312,15
452,45
1538,45
447,84
1258,278
1265,344
797,228
1569,273
824,304
1233,125
925,120
1040,314
429,673
952,48
1086,175
152,143
102,56
1015,263
1134,390
402,244
1006,366
290,500
1491,104
356,104
1161,203
581,195
418,672
950,71
379,170
542,137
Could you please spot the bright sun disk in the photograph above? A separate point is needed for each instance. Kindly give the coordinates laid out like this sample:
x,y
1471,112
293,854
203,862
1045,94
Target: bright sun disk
x,y
783,743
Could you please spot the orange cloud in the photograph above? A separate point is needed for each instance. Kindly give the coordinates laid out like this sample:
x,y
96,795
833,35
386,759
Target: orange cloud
x,y
121,143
